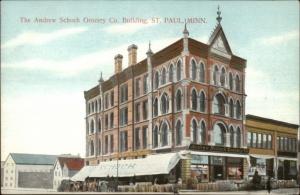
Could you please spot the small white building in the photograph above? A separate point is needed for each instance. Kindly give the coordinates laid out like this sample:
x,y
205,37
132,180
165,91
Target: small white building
x,y
65,168
28,171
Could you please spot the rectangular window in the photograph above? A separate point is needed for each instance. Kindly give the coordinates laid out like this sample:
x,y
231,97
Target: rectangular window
x,y
137,87
264,141
145,84
137,112
123,116
106,121
106,144
285,144
145,129
124,93
249,139
123,141
278,143
145,110
111,143
290,145
254,141
259,140
270,142
106,100
137,139
281,143
112,98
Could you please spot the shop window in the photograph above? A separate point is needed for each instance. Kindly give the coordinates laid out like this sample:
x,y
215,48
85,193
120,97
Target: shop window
x,y
231,108
235,168
155,107
178,71
219,134
145,130
156,80
137,112
238,137
155,137
163,76
164,103
194,131
202,132
111,120
217,164
178,100
194,99
164,134
200,168
171,71
202,102
178,133
219,104
123,141
193,70
202,73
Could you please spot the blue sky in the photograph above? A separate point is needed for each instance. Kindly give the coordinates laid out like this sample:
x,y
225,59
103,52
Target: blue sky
x,y
46,67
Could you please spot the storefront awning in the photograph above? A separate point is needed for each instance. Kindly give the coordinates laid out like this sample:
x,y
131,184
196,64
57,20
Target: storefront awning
x,y
151,165
221,154
83,173
286,158
262,156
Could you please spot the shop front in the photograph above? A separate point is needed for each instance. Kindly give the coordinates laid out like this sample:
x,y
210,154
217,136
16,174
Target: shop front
x,y
209,163
263,164
287,168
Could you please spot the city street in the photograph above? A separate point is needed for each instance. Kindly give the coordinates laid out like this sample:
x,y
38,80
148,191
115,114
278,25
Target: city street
x,y
34,191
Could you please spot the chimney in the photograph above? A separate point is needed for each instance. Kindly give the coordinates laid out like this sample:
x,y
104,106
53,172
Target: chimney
x,y
118,63
132,55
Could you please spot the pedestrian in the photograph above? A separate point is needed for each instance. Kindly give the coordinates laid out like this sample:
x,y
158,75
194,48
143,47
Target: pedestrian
x,y
269,185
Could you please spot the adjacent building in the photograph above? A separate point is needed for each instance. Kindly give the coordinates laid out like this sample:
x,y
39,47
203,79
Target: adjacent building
x,y
65,168
28,171
272,147
188,97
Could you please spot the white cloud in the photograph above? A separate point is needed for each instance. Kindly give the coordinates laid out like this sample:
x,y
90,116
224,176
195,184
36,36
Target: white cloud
x,y
37,38
282,38
102,58
127,28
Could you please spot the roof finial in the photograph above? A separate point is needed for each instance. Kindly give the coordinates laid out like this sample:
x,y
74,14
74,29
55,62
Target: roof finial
x,y
101,78
185,31
219,18
149,52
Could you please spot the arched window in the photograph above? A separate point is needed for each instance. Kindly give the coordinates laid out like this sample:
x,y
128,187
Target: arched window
x,y
155,137
238,110
194,99
178,71
178,100
215,75
219,104
171,71
164,103
178,133
163,76
223,77
193,70
164,134
194,131
237,83
202,101
99,125
230,81
156,80
92,126
92,149
93,107
231,108
99,147
89,108
238,137
202,133
231,131
111,120
219,134
96,105
155,109
201,73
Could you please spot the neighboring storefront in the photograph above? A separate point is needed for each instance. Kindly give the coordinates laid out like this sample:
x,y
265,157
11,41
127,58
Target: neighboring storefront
x,y
272,147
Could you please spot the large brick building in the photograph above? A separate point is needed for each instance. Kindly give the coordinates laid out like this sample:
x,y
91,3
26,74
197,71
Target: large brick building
x,y
189,96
